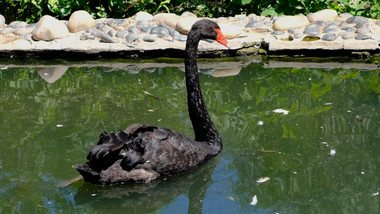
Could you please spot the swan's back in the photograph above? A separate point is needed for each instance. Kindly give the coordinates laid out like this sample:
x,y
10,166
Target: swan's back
x,y
143,153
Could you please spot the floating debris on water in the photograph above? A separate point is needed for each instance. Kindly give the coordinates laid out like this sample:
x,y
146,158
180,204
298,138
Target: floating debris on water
x,y
376,193
59,125
332,152
281,111
260,123
152,95
358,118
265,150
262,180
328,104
254,201
231,198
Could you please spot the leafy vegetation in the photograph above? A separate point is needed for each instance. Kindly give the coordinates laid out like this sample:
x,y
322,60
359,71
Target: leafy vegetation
x,y
32,10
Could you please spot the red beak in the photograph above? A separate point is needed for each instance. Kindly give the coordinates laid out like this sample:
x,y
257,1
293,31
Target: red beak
x,y
221,38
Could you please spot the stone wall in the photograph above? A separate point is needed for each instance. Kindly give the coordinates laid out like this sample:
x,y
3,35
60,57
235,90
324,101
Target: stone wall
x,y
164,35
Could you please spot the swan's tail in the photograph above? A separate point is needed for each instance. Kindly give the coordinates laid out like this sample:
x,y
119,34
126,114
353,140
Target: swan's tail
x,y
87,173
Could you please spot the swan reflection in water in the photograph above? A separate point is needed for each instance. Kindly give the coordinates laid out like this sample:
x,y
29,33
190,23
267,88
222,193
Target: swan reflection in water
x,y
146,198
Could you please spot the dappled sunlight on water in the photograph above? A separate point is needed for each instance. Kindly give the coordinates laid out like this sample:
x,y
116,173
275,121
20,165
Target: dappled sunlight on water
x,y
313,132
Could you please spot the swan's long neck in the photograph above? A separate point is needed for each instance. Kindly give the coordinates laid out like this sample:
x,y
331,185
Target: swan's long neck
x,y
203,127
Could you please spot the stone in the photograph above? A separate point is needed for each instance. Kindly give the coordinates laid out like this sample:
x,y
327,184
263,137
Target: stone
x,y
298,35
95,32
141,23
285,22
188,14
357,20
320,23
253,24
348,35
184,24
377,23
180,37
231,31
121,34
149,38
173,32
87,37
106,38
293,30
80,20
169,19
159,30
345,16
312,30
7,38
277,32
24,30
133,29
117,23
331,28
100,25
348,29
8,30
362,30
362,37
131,37
49,28
329,37
112,32
2,20
27,37
142,16
323,15
146,29
18,24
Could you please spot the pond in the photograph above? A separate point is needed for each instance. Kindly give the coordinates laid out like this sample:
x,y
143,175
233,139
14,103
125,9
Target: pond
x,y
313,132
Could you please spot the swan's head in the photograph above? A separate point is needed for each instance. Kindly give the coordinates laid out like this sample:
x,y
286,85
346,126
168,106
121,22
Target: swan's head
x,y
209,30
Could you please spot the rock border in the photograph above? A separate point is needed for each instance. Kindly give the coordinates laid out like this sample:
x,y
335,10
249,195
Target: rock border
x,y
324,33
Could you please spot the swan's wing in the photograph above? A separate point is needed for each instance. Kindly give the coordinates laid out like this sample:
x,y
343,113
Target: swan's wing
x,y
169,152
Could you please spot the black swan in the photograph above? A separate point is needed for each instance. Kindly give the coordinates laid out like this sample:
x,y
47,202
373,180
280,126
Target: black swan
x,y
142,153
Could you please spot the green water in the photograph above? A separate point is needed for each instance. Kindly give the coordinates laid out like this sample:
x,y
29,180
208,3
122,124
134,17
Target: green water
x,y
47,127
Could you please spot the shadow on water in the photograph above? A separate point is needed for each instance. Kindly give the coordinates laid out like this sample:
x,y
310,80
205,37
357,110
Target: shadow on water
x,y
146,198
